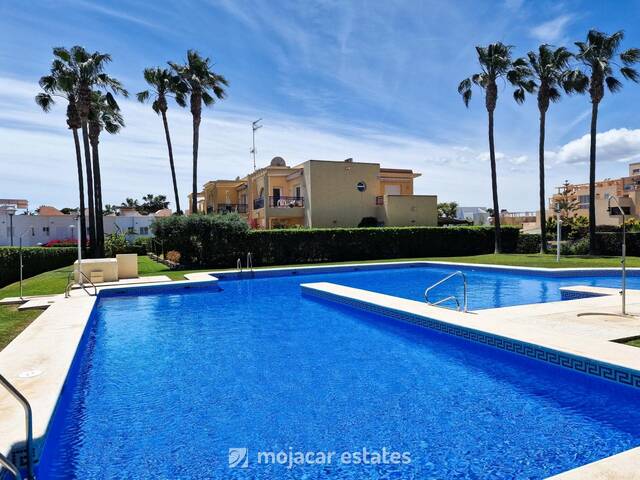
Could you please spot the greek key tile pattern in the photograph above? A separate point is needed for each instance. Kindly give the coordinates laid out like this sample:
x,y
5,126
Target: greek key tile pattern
x,y
580,364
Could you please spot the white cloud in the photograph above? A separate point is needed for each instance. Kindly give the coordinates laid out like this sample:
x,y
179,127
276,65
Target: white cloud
x,y
616,145
40,149
553,30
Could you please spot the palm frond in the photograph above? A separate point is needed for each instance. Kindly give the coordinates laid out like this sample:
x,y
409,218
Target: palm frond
x,y
613,84
45,101
630,74
631,56
143,96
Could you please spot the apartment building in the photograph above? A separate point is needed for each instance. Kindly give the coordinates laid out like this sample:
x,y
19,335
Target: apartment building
x,y
321,193
626,189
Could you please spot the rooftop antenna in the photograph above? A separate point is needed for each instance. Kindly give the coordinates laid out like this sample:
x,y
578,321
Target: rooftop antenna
x,y
254,127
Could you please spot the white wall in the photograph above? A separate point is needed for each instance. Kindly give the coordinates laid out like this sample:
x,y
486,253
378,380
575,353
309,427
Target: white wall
x,y
33,228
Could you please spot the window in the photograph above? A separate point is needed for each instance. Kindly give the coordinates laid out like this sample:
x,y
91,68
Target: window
x,y
131,230
45,230
583,201
144,230
276,193
361,186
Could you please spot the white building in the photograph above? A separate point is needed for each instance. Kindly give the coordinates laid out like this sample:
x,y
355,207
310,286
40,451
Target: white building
x,y
41,229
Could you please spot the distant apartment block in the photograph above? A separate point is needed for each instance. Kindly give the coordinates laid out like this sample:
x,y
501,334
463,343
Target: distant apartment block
x,y
626,189
321,193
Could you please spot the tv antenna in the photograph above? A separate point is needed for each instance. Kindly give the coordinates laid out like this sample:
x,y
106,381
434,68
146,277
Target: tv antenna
x,y
254,127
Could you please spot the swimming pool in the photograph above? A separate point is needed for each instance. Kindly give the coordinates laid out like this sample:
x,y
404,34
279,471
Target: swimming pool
x,y
168,382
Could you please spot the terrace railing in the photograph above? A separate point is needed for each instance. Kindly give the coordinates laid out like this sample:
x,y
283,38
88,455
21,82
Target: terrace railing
x,y
286,202
232,207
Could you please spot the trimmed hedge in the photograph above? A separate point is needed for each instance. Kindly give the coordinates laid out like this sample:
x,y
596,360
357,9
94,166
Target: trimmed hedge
x,y
528,243
35,260
218,240
611,243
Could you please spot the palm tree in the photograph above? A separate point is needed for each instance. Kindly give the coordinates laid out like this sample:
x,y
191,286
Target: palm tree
x,y
597,57
130,203
60,83
496,63
164,84
105,115
549,67
202,85
88,73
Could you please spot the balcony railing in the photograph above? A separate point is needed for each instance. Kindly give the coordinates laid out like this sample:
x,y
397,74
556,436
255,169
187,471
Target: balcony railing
x,y
286,202
232,207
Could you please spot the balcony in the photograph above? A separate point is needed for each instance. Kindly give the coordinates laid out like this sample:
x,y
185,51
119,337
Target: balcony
x,y
232,207
286,202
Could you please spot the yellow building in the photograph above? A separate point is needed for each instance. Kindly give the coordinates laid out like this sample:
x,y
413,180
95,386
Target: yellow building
x,y
322,193
626,189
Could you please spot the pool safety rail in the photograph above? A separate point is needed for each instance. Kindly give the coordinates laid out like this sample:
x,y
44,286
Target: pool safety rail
x,y
71,283
454,298
13,469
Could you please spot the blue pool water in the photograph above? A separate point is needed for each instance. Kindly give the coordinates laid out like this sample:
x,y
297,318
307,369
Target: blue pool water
x,y
168,382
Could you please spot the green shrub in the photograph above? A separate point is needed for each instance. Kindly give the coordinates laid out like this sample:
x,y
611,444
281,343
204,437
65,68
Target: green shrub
x,y
34,259
218,240
528,243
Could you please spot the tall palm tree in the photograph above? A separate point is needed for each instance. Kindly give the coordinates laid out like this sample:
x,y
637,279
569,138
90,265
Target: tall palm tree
x,y
202,85
164,84
598,58
61,83
550,69
88,72
105,115
495,64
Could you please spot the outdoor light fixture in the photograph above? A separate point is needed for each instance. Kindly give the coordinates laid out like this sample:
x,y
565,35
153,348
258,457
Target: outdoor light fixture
x,y
623,262
30,227
11,212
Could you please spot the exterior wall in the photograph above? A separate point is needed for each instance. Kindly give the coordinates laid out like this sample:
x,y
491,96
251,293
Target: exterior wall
x,y
625,189
41,229
409,210
332,198
395,182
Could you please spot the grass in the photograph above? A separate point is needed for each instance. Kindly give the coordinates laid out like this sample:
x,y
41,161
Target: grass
x,y
634,343
12,322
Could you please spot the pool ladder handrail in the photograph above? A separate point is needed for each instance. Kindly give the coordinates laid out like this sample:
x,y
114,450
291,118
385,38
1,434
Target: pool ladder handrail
x,y
450,297
13,469
71,283
239,265
250,262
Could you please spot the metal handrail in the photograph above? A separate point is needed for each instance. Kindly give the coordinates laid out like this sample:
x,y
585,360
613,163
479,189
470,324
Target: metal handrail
x,y
13,470
250,262
29,426
239,265
451,297
71,283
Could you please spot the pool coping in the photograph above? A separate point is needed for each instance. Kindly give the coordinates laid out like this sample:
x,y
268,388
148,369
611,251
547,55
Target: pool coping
x,y
58,333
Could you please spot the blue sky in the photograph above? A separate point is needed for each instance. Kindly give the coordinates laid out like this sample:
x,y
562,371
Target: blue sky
x,y
375,81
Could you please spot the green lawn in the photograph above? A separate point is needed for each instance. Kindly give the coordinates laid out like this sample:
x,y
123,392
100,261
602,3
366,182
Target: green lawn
x,y
13,322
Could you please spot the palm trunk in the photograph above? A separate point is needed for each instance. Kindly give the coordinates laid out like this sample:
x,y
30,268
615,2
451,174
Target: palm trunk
x,y
173,168
494,187
97,183
83,221
592,180
543,216
194,186
92,213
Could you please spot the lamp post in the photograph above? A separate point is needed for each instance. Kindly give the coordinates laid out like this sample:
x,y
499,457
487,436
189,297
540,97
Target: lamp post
x,y
20,257
623,262
11,211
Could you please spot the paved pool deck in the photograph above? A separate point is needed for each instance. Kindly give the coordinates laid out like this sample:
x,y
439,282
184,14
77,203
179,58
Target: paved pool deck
x,y
38,360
